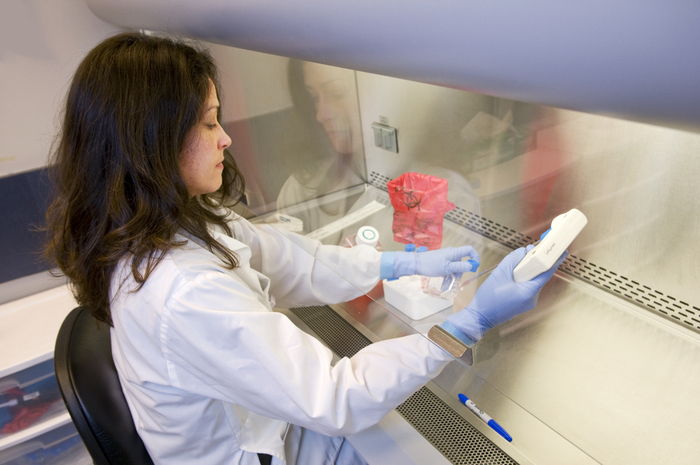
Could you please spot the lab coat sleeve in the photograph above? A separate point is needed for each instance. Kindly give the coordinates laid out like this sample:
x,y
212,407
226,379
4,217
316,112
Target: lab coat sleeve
x,y
219,341
303,271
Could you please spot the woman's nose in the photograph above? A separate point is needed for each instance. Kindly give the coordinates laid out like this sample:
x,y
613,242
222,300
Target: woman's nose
x,y
323,110
224,140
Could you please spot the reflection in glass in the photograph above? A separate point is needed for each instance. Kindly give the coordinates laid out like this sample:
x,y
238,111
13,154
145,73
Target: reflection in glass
x,y
321,142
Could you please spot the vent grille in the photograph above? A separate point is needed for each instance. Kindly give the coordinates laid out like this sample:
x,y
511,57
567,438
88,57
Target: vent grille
x,y
625,288
488,228
632,291
332,329
448,432
378,180
440,425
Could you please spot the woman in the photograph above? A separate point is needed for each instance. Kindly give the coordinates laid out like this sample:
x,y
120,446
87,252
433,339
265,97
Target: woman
x,y
142,227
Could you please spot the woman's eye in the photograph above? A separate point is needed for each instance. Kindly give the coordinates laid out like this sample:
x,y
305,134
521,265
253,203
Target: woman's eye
x,y
212,126
337,90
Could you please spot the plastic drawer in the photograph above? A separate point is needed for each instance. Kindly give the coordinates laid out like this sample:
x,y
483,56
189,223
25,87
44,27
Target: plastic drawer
x,y
60,446
27,398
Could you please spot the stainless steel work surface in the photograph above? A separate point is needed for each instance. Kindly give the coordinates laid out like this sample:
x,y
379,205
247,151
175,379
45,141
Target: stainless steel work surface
x,y
586,377
614,380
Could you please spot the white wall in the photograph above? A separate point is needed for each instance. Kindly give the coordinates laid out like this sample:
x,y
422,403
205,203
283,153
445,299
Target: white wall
x,y
41,44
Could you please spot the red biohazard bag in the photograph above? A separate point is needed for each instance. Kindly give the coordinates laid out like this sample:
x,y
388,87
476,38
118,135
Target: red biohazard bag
x,y
420,203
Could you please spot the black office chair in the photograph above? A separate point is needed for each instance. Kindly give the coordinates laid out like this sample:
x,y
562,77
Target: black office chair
x,y
90,388
89,384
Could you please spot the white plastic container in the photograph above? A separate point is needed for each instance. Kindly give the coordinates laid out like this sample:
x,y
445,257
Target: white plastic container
x,y
34,389
406,295
59,446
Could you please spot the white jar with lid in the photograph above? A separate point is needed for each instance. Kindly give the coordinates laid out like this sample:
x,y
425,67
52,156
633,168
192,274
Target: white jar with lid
x,y
366,235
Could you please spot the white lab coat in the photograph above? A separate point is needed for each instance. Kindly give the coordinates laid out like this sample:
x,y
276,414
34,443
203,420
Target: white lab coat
x,y
213,376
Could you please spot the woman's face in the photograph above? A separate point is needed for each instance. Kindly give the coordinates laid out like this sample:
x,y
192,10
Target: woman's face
x,y
201,161
333,92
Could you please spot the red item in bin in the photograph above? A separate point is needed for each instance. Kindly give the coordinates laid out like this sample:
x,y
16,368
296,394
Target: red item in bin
x,y
25,417
420,203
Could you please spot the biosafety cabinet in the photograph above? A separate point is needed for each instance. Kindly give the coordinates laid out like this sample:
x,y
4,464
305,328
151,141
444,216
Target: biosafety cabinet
x,y
512,104
526,110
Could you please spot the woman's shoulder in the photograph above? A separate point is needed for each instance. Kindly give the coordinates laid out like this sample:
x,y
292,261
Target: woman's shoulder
x,y
182,266
190,258
174,268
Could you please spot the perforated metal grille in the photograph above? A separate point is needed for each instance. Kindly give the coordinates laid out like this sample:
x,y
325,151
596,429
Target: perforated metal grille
x,y
637,293
448,432
623,287
439,424
488,228
378,180
332,329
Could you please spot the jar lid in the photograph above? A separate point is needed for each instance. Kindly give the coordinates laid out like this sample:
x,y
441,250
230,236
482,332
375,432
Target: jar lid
x,y
367,235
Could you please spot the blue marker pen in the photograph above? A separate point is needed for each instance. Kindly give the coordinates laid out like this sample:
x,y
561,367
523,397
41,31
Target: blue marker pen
x,y
487,419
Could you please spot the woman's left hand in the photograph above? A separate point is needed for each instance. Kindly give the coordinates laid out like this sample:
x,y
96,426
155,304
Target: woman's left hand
x,y
435,263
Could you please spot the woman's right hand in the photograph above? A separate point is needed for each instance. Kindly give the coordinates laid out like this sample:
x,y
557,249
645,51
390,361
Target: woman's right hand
x,y
500,298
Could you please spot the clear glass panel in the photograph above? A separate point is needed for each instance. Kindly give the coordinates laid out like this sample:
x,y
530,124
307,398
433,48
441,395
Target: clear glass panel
x,y
604,369
296,131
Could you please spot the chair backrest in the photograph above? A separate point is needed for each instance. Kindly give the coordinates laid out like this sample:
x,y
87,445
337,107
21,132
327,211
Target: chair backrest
x,y
91,390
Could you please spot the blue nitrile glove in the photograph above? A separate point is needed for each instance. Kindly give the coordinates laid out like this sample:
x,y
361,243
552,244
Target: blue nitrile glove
x,y
499,298
434,263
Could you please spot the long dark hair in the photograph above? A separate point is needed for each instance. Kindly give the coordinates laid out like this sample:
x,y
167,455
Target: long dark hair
x,y
118,191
